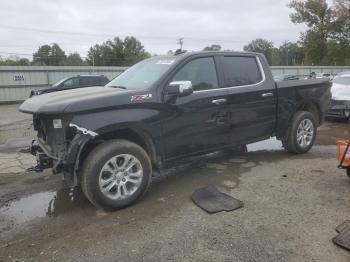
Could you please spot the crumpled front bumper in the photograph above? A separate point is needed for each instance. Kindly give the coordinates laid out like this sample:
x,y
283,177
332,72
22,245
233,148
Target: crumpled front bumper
x,y
67,162
339,108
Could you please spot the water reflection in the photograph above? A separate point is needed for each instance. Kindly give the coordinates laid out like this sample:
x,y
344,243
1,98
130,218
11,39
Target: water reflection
x,y
51,204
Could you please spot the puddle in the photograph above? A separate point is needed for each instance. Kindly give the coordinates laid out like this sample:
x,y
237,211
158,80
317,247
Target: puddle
x,y
43,204
271,144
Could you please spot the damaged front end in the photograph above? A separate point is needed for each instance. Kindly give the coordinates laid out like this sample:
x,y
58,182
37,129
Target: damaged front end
x,y
339,109
58,146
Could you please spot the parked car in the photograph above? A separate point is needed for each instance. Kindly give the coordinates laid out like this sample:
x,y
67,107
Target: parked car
x,y
340,103
111,139
323,75
73,82
343,73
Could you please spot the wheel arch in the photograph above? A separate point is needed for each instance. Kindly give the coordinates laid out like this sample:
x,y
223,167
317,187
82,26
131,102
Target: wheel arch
x,y
314,109
138,136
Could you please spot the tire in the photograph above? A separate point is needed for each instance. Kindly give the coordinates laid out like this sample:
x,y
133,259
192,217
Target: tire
x,y
300,123
107,179
348,172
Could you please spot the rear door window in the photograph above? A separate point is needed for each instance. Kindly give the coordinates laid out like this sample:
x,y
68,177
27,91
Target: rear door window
x,y
87,81
241,71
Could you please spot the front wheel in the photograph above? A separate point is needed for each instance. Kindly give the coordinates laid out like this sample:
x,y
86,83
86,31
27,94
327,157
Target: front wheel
x,y
116,174
301,133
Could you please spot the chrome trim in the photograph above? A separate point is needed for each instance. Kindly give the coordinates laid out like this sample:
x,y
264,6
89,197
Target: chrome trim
x,y
219,101
232,87
84,130
267,94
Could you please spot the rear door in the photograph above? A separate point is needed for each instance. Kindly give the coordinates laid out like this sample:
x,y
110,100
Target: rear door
x,y
251,98
196,122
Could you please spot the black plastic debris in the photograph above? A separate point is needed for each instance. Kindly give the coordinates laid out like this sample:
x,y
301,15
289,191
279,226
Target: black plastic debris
x,y
343,238
211,200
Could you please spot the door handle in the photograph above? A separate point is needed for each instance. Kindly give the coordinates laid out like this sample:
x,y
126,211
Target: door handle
x,y
267,94
219,101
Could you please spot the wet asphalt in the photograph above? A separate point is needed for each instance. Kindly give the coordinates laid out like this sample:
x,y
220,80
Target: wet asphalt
x,y
292,203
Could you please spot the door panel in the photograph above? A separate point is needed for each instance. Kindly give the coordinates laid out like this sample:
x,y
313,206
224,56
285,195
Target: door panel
x,y
196,125
252,116
198,122
251,100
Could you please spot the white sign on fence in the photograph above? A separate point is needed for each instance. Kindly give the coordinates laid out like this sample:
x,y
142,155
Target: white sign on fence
x,y
18,78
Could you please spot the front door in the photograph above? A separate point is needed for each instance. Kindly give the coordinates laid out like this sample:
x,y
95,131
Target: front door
x,y
197,123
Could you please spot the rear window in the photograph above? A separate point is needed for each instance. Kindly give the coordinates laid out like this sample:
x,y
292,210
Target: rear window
x,y
241,70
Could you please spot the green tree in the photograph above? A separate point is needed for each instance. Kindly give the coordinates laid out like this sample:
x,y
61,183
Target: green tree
x,y
57,55
212,48
342,21
261,46
291,54
74,59
49,55
117,52
336,52
326,24
42,56
14,61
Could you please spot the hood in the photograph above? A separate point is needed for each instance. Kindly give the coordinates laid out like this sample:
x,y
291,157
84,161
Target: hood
x,y
340,92
76,100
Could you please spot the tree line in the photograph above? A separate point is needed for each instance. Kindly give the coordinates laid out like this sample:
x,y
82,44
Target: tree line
x,y
325,42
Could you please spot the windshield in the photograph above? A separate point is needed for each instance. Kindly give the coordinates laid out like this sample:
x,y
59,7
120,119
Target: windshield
x,y
344,80
143,74
59,82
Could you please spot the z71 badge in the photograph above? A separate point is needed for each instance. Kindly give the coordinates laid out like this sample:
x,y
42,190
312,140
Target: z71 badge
x,y
140,98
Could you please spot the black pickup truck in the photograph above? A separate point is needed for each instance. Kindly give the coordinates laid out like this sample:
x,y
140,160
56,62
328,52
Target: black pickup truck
x,y
111,139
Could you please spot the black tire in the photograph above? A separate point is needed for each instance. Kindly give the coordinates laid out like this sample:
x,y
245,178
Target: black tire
x,y
94,163
290,142
348,172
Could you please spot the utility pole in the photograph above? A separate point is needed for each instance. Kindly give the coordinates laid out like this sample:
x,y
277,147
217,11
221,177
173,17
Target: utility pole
x,y
180,41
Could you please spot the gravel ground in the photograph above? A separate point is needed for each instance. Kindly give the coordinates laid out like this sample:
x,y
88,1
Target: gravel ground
x,y
292,203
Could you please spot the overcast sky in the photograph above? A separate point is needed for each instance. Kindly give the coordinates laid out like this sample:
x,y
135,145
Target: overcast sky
x,y
157,23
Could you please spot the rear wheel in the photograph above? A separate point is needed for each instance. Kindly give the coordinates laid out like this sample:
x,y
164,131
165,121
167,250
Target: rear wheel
x,y
116,174
301,133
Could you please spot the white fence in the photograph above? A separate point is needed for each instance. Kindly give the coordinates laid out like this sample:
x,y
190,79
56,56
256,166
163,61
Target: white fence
x,y
16,82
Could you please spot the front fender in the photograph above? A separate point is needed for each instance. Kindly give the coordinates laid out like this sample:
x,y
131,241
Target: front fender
x,y
109,121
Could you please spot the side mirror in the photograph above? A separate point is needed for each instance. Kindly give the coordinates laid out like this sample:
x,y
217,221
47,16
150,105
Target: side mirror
x,y
179,88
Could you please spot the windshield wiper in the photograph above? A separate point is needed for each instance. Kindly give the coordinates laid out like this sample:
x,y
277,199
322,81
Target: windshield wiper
x,y
121,87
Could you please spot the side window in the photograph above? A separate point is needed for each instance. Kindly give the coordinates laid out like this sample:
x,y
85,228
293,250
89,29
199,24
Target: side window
x,y
72,82
86,81
99,81
201,72
241,70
